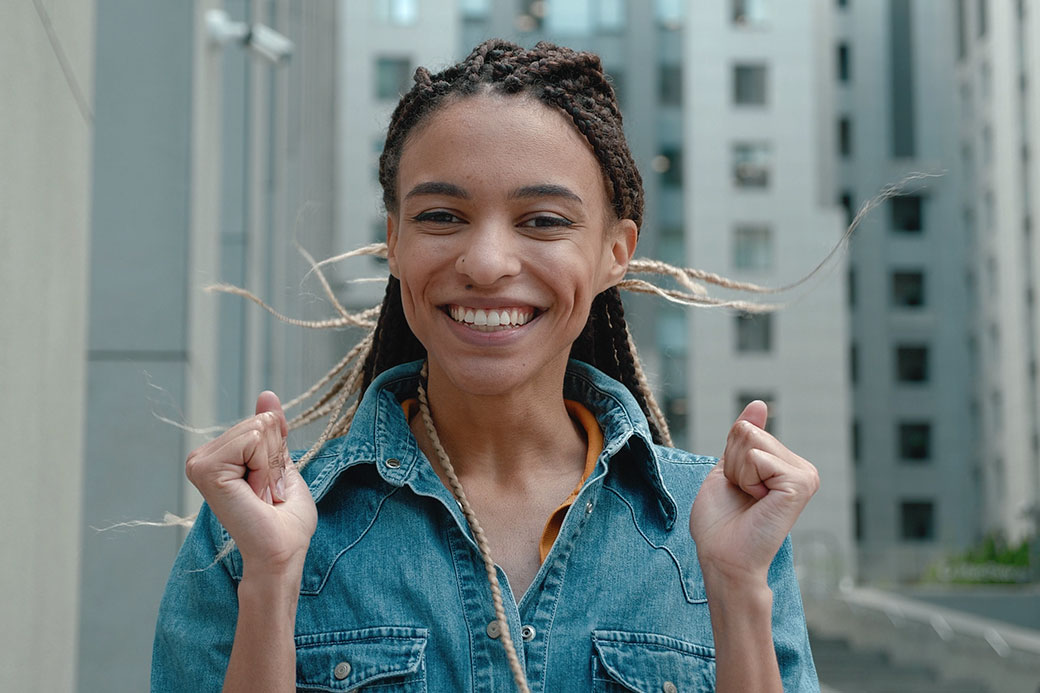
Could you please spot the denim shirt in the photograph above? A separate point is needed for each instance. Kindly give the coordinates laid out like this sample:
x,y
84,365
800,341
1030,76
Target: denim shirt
x,y
394,595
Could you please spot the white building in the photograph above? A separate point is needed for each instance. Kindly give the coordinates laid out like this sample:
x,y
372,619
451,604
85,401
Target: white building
x,y
997,74
759,207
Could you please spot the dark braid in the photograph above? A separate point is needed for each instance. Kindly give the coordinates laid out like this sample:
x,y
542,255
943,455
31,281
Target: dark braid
x,y
393,342
569,81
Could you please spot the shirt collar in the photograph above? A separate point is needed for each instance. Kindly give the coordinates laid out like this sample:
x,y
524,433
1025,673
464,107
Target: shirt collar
x,y
380,435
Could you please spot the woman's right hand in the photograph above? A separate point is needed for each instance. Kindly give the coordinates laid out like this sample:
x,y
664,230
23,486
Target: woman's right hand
x,y
252,486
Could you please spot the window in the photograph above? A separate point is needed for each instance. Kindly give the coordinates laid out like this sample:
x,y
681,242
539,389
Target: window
x,y
846,204
669,13
845,136
751,164
474,9
851,286
844,68
915,441
750,12
901,79
754,332
908,289
962,30
912,364
749,85
669,164
669,85
752,248
982,19
843,3
746,397
855,441
917,520
853,363
393,76
397,11
906,213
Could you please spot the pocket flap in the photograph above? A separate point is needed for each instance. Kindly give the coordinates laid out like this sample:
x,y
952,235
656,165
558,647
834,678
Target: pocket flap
x,y
345,660
648,661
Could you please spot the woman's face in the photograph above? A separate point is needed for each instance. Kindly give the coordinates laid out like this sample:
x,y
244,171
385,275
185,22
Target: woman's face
x,y
503,237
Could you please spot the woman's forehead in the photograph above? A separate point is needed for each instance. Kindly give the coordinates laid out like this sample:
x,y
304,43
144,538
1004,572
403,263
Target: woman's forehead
x,y
489,139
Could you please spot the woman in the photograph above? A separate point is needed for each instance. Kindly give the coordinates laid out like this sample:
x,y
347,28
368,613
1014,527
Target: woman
x,y
513,210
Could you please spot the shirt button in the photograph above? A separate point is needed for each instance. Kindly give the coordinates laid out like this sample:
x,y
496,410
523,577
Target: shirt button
x,y
494,630
393,463
669,687
588,507
341,671
527,633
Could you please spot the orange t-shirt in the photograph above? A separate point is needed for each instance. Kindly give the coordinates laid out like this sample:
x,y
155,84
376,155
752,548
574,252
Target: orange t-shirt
x,y
594,439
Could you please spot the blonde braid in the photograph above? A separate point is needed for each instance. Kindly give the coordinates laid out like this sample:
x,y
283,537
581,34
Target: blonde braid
x,y
478,534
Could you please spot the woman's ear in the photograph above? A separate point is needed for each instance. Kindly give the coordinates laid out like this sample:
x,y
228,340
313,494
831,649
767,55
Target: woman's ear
x,y
624,237
391,243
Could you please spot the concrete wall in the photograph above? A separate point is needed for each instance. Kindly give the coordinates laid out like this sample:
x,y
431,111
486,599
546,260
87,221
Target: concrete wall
x,y
46,118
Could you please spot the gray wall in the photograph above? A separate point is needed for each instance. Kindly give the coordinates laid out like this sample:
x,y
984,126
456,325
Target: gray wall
x,y
46,82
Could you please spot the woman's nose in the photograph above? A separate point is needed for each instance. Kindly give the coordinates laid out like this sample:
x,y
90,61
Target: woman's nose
x,y
490,254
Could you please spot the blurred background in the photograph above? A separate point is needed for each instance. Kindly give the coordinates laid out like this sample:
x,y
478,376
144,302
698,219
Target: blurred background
x,y
150,148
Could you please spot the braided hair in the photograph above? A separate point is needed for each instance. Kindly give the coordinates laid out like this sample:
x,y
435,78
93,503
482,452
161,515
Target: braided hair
x,y
563,79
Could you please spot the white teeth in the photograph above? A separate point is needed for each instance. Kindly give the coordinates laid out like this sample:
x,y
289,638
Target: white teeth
x,y
491,320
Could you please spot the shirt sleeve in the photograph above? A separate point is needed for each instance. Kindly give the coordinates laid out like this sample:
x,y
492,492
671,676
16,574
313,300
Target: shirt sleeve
x,y
198,613
790,635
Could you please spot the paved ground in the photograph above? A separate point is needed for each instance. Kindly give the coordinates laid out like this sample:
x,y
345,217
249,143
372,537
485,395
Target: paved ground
x,y
844,670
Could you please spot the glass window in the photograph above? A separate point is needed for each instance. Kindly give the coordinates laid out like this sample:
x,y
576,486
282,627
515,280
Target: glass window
x,y
917,520
669,85
908,289
982,19
907,213
749,85
855,441
846,204
571,17
752,247
752,162
669,13
397,11
912,364
845,136
844,68
858,519
962,30
754,332
393,77
901,79
915,441
851,287
669,164
610,15
745,397
750,12
853,363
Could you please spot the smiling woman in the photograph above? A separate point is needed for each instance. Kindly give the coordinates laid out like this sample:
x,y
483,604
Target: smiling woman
x,y
492,510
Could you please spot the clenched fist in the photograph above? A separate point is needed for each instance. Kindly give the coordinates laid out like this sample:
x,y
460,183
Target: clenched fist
x,y
252,486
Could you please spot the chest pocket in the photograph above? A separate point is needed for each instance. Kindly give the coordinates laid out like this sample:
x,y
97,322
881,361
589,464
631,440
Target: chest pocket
x,y
370,659
650,663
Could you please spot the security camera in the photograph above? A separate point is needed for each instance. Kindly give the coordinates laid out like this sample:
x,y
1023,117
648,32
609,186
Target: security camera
x,y
269,44
260,39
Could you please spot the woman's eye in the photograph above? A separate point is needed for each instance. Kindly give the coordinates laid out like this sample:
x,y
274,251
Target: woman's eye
x,y
547,222
437,217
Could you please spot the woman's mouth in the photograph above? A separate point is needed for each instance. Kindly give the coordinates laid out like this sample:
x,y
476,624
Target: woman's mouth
x,y
491,319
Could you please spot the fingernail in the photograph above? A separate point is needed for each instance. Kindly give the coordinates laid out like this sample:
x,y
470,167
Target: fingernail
x,y
279,488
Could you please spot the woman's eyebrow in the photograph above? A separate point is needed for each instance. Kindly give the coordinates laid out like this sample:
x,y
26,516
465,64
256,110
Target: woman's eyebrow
x,y
437,188
545,190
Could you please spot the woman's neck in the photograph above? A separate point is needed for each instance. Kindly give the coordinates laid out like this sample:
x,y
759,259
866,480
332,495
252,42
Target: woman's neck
x,y
509,438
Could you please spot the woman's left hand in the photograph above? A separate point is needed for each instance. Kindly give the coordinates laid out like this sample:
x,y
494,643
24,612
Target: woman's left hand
x,y
749,501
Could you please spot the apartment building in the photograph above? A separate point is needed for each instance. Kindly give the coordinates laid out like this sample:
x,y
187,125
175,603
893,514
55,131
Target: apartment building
x,y
759,208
